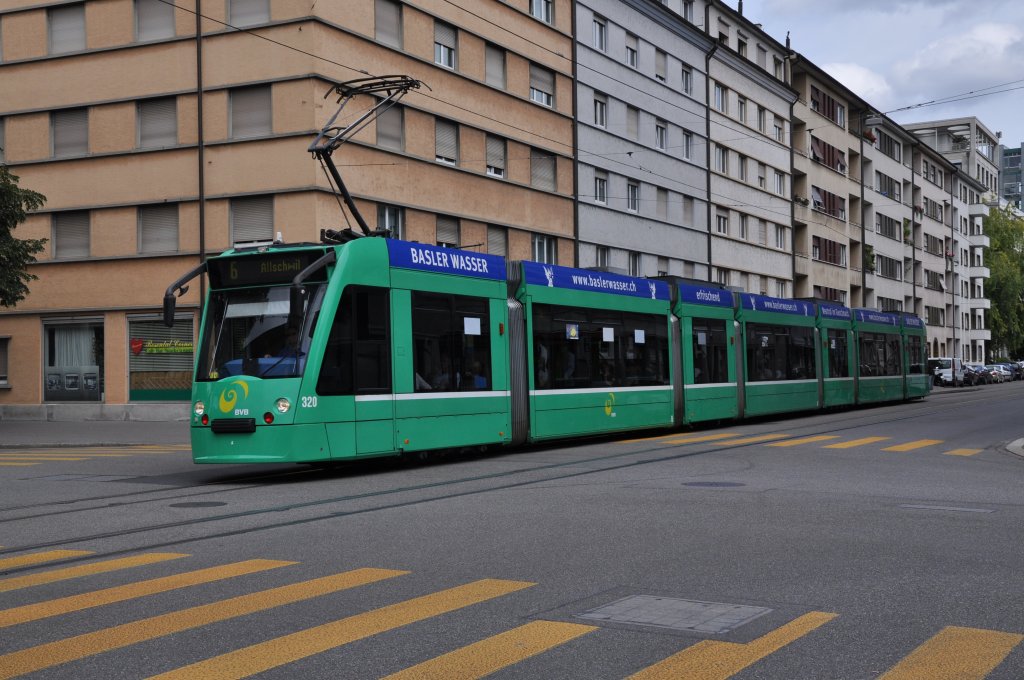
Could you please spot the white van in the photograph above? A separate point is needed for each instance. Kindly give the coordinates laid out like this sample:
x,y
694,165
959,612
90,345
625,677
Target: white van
x,y
943,369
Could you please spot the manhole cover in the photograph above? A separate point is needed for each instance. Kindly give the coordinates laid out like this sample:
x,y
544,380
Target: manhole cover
x,y
713,484
198,504
677,614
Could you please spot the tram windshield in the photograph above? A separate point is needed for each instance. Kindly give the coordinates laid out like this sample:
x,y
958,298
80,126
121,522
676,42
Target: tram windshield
x,y
246,333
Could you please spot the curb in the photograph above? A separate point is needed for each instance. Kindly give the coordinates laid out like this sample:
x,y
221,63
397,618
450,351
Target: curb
x,y
1016,447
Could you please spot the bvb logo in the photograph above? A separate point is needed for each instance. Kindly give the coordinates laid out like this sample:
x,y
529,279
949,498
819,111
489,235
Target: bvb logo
x,y
609,405
229,396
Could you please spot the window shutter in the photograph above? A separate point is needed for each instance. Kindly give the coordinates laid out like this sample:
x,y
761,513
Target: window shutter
x,y
248,12
496,152
542,170
660,65
445,34
70,132
71,234
158,122
158,228
389,128
446,142
388,18
252,219
495,57
542,79
250,112
447,231
662,204
497,241
632,121
154,20
67,28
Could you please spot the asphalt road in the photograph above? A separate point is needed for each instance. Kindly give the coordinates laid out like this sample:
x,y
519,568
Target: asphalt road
x,y
882,542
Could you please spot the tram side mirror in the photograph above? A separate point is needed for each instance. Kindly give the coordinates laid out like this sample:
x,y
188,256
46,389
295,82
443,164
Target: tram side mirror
x,y
296,304
169,304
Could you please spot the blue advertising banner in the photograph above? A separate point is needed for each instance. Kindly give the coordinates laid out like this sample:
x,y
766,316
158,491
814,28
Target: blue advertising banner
x,y
837,312
912,322
553,276
703,295
445,260
874,316
762,303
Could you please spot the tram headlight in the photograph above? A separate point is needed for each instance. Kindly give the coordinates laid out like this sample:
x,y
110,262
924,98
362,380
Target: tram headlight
x,y
283,405
199,408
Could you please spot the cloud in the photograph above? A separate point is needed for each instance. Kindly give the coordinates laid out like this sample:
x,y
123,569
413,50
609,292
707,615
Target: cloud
x,y
869,85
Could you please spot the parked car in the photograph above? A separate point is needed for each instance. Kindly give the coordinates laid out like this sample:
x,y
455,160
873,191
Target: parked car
x,y
1015,371
979,375
946,370
999,374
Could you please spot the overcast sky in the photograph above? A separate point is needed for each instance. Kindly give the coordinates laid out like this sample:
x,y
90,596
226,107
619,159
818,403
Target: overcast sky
x,y
897,53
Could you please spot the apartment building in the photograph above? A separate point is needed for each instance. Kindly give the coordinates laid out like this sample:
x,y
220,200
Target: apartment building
x,y
1010,174
155,148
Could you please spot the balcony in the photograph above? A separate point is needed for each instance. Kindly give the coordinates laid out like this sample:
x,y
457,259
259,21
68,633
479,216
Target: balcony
x,y
976,335
801,264
978,240
980,272
978,303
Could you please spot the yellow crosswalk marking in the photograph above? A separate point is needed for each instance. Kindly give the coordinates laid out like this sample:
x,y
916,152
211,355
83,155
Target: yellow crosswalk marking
x,y
39,558
17,464
74,603
911,446
806,440
260,657
856,442
753,440
488,656
55,575
963,452
711,659
62,651
703,438
40,459
956,654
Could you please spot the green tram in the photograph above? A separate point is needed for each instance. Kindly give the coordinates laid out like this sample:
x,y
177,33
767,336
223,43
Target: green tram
x,y
376,347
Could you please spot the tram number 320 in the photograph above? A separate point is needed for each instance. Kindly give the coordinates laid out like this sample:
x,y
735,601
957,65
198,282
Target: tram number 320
x,y
308,402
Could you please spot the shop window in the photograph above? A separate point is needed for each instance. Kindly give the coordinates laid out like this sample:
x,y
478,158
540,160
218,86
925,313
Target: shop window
x,y
5,344
73,370
451,343
160,360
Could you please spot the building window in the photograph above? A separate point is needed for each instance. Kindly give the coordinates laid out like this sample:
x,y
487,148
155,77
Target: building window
x,y
495,66
70,234
446,142
762,119
600,110
158,228
888,267
632,49
4,345
251,112
154,20
497,240
721,98
662,203
66,28
744,227
722,222
722,160
447,232
635,268
687,144
828,155
252,219
600,187
762,57
388,23
778,70
660,66
688,10
248,12
827,250
390,128
888,187
542,170
778,128
780,236
828,203
780,183
604,256
780,291
741,164
545,249
891,148
542,85
600,34
392,218
722,276
495,156
661,134
158,122
633,196
445,37
687,84
762,173
543,10
632,122
741,109
70,132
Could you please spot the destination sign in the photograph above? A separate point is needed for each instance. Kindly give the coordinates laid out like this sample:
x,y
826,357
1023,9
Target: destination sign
x,y
873,316
837,312
703,295
428,258
553,276
763,303
263,269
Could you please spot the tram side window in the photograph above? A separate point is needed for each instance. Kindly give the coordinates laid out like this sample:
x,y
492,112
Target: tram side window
x,y
357,359
915,350
879,354
710,363
780,353
838,356
451,343
578,348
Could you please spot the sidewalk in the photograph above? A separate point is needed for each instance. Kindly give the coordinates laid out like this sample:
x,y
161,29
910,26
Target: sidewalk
x,y
43,433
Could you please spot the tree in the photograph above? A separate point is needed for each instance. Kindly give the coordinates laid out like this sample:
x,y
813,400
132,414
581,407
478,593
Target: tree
x,y
1005,260
16,254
